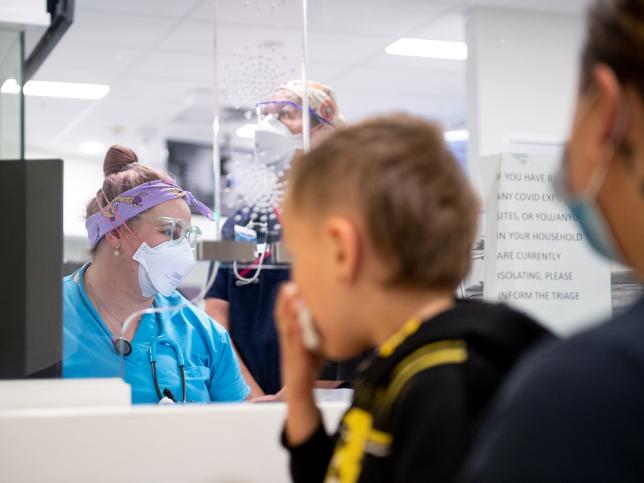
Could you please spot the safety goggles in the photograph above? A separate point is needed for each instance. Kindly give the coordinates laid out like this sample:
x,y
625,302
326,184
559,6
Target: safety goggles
x,y
176,229
286,111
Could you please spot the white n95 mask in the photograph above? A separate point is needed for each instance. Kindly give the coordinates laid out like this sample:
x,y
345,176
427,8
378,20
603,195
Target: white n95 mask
x,y
275,144
162,268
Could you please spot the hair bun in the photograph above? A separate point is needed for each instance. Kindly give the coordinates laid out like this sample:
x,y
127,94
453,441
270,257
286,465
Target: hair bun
x,y
117,158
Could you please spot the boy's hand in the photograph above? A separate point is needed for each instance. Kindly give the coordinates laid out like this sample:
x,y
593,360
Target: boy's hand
x,y
300,368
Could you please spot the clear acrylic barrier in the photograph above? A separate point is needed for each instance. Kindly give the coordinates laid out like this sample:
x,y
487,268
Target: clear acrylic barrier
x,y
11,132
262,45
355,48
257,48
260,125
262,119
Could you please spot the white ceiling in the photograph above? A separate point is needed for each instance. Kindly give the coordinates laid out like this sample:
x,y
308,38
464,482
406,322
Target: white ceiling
x,y
158,58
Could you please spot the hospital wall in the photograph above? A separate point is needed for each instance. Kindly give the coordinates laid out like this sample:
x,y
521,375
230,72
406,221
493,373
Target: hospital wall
x,y
522,72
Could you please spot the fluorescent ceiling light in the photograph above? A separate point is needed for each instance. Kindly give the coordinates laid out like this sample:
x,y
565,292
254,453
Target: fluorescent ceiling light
x,y
91,147
459,135
67,90
10,86
433,49
247,131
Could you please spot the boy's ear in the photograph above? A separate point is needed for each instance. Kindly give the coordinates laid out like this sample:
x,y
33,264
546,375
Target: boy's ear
x,y
344,238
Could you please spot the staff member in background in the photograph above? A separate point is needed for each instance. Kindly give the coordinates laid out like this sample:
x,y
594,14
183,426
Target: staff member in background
x,y
141,244
246,308
574,411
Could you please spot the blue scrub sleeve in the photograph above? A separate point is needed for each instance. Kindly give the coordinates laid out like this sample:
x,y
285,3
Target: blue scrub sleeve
x,y
227,383
219,289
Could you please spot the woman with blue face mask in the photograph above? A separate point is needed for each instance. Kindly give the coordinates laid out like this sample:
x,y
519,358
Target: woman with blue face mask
x,y
575,410
141,245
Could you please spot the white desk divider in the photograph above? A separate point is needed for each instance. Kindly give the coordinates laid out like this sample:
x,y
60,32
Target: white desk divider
x,y
214,443
61,393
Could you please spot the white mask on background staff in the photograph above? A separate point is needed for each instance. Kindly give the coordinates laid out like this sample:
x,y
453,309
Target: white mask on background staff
x,y
275,144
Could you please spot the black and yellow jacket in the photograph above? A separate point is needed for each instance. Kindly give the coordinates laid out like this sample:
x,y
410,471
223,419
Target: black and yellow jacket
x,y
418,403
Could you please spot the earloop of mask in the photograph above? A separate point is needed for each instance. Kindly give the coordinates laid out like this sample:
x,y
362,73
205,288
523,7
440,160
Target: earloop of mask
x,y
617,139
618,135
600,174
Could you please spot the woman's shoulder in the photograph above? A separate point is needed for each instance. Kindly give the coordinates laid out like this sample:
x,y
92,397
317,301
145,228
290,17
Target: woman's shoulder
x,y
70,280
70,287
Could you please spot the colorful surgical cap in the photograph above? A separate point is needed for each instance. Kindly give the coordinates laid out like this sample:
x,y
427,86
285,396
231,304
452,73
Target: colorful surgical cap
x,y
322,99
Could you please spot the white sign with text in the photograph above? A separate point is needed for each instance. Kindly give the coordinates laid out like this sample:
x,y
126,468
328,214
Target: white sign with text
x,y
536,257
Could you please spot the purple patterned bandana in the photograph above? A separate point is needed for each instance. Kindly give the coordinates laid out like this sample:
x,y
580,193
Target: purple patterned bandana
x,y
133,202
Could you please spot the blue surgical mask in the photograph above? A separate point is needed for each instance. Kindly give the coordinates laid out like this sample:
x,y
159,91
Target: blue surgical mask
x,y
584,206
587,213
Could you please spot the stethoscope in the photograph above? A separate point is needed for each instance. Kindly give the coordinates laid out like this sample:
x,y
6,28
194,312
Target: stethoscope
x,y
165,340
123,348
240,275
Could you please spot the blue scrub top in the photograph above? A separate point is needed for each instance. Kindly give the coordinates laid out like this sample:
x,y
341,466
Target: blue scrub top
x,y
212,370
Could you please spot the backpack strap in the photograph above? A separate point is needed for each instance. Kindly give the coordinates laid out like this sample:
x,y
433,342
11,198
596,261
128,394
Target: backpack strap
x,y
426,357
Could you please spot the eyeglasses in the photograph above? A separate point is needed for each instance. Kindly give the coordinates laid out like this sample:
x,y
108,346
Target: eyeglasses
x,y
286,111
176,229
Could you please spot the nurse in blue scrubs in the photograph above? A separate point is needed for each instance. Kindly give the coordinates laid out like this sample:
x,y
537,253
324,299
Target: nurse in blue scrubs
x,y
140,236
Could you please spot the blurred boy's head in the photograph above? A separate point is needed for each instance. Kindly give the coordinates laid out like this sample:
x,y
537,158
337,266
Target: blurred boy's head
x,y
377,209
